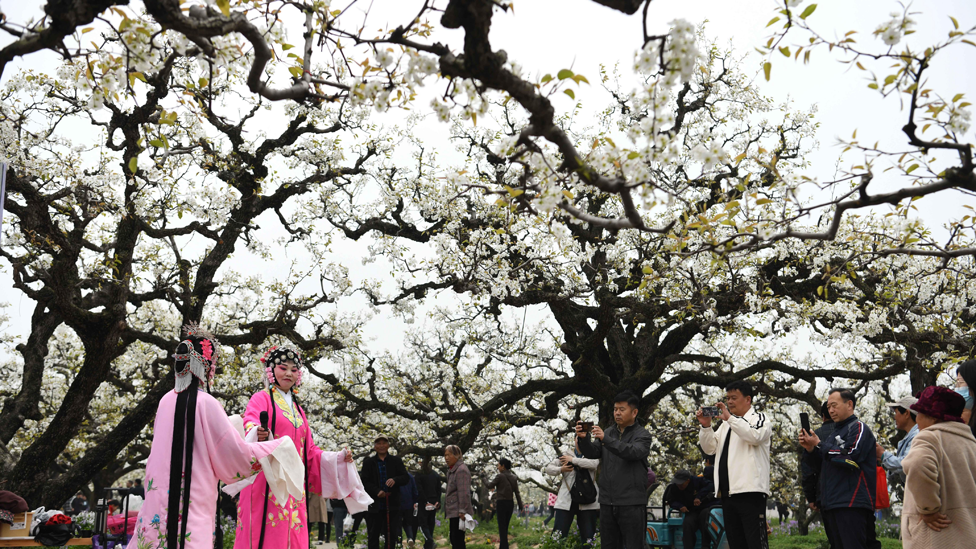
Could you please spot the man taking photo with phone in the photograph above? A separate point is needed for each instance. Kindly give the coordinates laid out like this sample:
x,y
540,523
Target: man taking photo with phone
x,y
622,451
741,448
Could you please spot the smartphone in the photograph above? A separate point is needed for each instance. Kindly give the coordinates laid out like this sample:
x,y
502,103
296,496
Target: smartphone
x,y
587,426
710,411
805,422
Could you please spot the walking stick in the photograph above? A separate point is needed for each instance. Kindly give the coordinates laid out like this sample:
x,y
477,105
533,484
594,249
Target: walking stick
x,y
389,540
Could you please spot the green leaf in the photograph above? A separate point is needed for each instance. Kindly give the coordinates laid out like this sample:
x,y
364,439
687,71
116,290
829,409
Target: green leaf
x,y
771,21
224,6
912,168
570,93
873,85
546,78
767,68
580,78
957,97
513,192
809,11
762,201
564,74
295,71
785,50
286,47
134,164
954,22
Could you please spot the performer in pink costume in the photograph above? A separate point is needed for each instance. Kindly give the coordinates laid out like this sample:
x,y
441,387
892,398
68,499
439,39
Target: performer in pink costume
x,y
195,445
265,520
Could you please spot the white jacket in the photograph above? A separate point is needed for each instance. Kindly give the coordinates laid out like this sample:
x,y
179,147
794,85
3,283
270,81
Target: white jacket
x,y
748,451
564,500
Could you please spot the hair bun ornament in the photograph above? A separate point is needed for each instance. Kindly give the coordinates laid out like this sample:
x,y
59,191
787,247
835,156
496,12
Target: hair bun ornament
x,y
203,365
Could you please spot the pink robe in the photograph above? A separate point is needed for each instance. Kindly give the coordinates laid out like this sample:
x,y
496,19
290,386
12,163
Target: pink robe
x,y
219,454
329,476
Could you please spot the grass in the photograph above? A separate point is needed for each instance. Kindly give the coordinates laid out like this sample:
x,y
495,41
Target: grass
x,y
816,541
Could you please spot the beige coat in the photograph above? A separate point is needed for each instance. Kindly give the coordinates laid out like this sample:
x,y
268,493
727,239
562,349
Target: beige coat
x,y
941,478
318,508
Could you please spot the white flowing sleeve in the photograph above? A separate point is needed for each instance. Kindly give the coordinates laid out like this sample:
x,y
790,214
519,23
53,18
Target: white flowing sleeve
x,y
340,480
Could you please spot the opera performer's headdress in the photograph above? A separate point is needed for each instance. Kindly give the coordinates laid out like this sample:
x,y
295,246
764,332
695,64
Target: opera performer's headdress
x,y
279,355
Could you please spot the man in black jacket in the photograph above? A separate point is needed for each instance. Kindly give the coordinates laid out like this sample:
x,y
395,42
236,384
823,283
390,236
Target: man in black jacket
x,y
382,474
811,476
848,464
429,487
622,451
694,497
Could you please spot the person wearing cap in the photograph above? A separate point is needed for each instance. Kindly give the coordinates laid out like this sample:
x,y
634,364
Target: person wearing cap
x,y
848,473
939,508
694,497
382,474
905,421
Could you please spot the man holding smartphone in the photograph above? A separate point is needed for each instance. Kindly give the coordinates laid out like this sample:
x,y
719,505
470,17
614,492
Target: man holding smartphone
x,y
622,452
741,448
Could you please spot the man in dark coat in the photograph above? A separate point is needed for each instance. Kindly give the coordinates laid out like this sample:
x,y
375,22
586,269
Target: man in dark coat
x,y
810,478
622,451
429,486
694,497
848,464
382,474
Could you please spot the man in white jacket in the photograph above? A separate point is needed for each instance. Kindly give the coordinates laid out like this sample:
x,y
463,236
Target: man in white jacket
x,y
741,448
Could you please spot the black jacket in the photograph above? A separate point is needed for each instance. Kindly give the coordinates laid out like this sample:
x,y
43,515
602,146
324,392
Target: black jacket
x,y
702,488
429,485
370,475
623,464
848,465
810,478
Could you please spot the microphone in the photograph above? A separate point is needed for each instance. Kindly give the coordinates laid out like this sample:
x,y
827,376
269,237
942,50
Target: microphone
x,y
264,420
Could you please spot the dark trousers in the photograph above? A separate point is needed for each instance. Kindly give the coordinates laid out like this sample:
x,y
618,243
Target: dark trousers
x,y
852,528
325,530
695,521
457,534
829,528
505,509
585,521
552,513
745,520
427,520
376,526
409,524
622,526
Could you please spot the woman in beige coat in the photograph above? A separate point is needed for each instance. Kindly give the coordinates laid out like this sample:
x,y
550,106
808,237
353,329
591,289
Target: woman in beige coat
x,y
940,510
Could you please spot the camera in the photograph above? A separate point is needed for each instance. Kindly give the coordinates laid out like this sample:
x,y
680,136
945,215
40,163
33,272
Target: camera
x,y
710,411
587,426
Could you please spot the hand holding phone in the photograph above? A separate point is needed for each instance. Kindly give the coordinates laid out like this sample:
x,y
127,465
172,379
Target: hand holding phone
x,y
805,422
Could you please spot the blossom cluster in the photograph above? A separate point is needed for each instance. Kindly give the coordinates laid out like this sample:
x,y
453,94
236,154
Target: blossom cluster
x,y
892,31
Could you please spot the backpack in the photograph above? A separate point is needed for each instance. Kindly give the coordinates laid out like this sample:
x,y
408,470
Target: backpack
x,y
583,491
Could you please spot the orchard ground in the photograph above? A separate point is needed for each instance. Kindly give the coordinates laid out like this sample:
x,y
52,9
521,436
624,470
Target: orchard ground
x,y
534,535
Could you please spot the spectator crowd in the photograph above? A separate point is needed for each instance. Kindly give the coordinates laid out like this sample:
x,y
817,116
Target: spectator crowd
x,y
603,479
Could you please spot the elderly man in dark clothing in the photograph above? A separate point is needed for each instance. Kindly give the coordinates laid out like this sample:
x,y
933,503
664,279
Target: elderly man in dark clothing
x,y
694,497
382,475
848,465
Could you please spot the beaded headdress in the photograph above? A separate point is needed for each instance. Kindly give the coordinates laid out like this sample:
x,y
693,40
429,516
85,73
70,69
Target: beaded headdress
x,y
278,355
202,365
